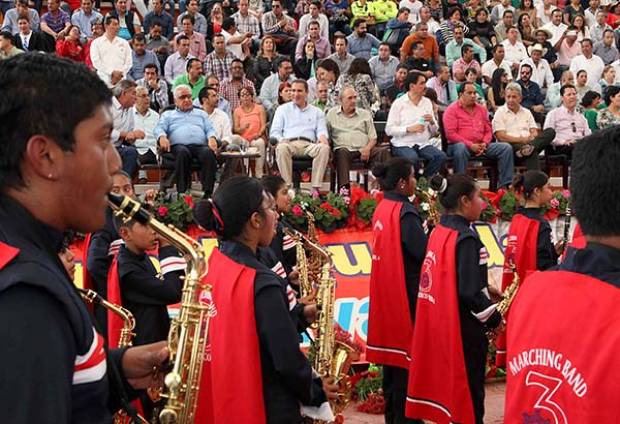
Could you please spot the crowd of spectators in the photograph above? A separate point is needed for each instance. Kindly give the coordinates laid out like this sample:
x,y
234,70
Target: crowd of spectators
x,y
504,80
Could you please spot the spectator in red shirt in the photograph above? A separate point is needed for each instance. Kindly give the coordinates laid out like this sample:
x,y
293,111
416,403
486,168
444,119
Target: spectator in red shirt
x,y
70,46
469,133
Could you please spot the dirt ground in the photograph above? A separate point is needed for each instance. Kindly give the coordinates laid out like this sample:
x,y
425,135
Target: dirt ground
x,y
494,408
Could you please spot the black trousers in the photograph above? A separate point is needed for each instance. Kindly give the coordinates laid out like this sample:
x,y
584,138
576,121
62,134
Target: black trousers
x,y
395,381
540,143
184,155
475,347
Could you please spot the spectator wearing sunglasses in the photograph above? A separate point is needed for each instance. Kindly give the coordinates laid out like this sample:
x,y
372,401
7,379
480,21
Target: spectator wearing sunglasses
x,y
569,125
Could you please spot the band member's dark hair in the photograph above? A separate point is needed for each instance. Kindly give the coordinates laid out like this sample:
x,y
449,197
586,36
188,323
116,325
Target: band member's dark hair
x,y
272,184
594,183
451,189
29,106
526,183
232,205
392,171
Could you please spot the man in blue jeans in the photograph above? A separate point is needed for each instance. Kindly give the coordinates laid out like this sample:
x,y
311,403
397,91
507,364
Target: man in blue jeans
x,y
411,124
469,133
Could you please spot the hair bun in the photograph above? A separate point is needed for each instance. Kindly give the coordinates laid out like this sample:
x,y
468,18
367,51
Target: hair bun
x,y
438,183
379,170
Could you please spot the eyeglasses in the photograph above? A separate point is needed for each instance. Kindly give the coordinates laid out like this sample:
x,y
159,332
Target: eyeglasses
x,y
184,96
574,127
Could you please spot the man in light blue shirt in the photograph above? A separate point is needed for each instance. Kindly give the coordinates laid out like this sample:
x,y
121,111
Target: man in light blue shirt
x,y
453,48
383,67
140,58
360,43
301,130
187,133
21,9
269,90
84,17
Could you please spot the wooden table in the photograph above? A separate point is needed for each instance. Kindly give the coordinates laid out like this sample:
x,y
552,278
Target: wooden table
x,y
244,159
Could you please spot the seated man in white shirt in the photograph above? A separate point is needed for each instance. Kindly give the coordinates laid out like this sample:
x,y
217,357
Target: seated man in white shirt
x,y
411,123
515,124
496,62
236,43
145,120
300,130
589,62
515,49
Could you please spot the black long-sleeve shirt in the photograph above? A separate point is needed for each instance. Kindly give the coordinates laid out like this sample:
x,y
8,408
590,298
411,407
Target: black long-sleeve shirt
x,y
413,244
476,309
296,310
98,261
147,294
546,256
596,260
46,332
287,375
284,248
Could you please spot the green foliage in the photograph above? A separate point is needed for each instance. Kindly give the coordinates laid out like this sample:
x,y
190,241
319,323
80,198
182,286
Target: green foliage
x,y
174,210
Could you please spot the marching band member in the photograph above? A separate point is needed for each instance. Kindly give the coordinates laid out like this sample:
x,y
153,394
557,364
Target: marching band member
x,y
563,333
282,245
453,313
529,239
56,172
101,247
250,322
135,283
398,250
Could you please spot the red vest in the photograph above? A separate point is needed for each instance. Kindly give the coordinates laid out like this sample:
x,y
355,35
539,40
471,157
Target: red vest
x,y
115,323
579,240
231,388
521,250
562,361
389,319
87,281
438,387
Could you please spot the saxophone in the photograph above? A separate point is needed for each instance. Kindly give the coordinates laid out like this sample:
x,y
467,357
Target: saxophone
x,y
504,305
305,286
189,330
129,323
333,358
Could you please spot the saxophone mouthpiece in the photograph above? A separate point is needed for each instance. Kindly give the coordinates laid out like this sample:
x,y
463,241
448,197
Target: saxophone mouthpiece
x,y
128,208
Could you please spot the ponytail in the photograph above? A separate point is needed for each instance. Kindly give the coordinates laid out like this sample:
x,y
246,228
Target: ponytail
x,y
526,183
451,189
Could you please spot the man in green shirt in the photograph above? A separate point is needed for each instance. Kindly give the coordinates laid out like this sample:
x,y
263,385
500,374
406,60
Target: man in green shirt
x,y
353,136
193,78
453,48
7,49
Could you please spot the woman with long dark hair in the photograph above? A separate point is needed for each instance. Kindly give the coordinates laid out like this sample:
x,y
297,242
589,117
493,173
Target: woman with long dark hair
x,y
453,312
305,66
398,250
266,59
250,325
496,94
359,76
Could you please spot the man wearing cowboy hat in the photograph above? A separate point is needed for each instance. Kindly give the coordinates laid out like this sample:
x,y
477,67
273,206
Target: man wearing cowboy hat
x,y
541,71
605,49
